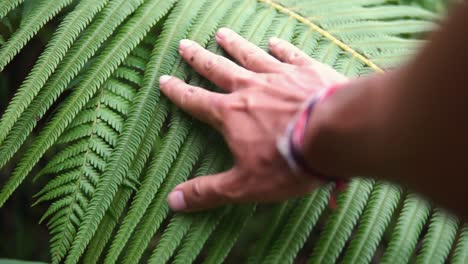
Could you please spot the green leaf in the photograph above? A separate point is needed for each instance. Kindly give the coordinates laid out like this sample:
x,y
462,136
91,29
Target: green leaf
x,y
407,230
351,204
438,241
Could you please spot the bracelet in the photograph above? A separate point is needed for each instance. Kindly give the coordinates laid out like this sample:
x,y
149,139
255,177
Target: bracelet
x,y
289,145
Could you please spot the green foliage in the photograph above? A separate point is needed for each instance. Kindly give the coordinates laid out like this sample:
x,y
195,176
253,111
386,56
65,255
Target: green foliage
x,y
114,147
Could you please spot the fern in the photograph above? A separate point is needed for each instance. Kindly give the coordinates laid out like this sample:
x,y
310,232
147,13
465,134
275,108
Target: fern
x,y
439,238
43,13
351,203
407,230
77,168
298,226
279,215
376,217
123,147
72,63
195,228
7,5
461,251
224,238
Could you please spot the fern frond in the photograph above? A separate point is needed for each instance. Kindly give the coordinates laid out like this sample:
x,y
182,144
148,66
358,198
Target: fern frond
x,y
351,203
157,171
48,61
8,5
129,36
123,195
279,215
460,254
77,175
227,232
407,230
438,241
171,238
198,226
298,226
74,60
39,17
376,218
197,236
158,208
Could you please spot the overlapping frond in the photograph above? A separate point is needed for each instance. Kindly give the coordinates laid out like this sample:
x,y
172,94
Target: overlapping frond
x,y
375,220
351,203
7,5
407,230
76,170
120,141
460,254
88,44
438,241
190,226
42,13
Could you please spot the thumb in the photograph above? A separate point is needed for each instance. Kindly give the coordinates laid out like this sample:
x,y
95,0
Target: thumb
x,y
200,193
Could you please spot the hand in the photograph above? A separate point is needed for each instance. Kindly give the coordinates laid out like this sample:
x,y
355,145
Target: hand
x,y
263,96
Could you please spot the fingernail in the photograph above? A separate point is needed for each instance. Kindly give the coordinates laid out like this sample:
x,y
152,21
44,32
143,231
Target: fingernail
x,y
274,41
222,33
164,79
185,43
176,201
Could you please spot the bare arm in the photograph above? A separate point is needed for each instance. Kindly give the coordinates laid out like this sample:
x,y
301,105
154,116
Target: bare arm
x,y
410,125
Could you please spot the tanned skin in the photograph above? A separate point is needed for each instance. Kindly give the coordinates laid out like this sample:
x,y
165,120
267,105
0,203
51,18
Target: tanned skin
x,y
409,125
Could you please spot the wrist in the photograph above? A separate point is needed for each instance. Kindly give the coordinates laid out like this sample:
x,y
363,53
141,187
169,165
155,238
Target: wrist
x,y
343,136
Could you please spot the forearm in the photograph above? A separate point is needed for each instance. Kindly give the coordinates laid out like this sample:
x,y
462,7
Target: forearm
x,y
409,125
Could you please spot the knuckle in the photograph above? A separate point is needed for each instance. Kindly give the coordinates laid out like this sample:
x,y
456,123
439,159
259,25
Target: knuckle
x,y
211,63
241,79
233,191
250,58
197,189
293,56
188,92
192,52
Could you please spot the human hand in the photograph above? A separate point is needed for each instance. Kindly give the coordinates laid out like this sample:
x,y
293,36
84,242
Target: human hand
x,y
263,96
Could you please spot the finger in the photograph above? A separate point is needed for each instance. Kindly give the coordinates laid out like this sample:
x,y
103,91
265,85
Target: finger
x,y
197,101
246,53
200,193
288,53
221,71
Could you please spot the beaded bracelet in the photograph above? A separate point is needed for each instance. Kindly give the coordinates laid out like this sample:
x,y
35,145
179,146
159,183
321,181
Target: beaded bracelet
x,y
289,145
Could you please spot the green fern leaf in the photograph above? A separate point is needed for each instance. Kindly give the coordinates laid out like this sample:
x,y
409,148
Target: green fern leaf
x,y
228,231
460,254
106,22
407,230
376,218
110,219
171,238
298,226
8,5
131,34
39,17
181,223
73,178
439,238
157,171
279,215
351,203
197,236
158,208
